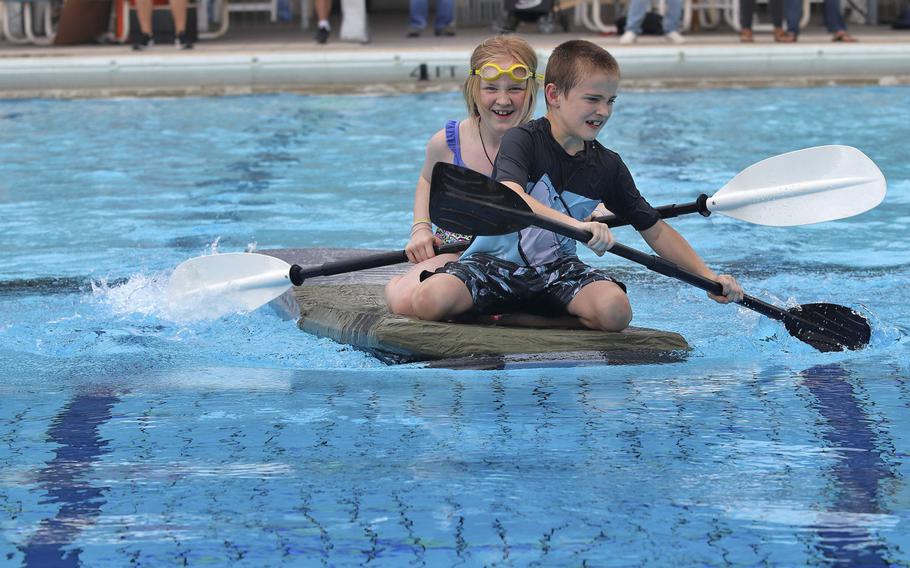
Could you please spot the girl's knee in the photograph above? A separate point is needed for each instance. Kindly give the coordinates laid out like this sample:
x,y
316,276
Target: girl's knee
x,y
396,301
440,298
425,304
390,289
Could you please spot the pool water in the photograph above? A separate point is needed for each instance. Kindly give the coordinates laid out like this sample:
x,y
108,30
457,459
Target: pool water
x,y
128,438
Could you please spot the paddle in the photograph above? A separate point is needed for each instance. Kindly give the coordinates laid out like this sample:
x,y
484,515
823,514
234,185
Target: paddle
x,y
220,284
812,185
807,186
465,201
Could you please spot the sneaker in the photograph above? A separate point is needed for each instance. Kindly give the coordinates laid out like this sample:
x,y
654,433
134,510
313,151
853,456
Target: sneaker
x,y
675,37
322,35
413,32
447,31
628,37
143,42
182,41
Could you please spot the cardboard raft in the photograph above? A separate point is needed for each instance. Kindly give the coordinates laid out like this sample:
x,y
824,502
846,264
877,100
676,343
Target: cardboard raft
x,y
350,308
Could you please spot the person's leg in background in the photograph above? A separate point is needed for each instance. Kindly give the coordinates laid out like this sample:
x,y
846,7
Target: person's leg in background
x,y
323,27
834,21
284,11
143,39
793,13
178,12
419,13
671,21
777,19
445,15
746,13
636,16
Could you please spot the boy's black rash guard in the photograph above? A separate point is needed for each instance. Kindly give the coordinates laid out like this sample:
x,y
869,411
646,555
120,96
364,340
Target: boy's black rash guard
x,y
531,157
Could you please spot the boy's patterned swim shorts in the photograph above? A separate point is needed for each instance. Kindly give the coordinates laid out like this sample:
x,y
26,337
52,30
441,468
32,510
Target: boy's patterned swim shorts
x,y
499,286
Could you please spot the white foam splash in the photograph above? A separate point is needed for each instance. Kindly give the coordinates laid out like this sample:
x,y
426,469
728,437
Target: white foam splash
x,y
143,294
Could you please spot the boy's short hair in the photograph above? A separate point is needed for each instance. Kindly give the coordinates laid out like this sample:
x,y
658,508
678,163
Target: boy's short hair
x,y
572,60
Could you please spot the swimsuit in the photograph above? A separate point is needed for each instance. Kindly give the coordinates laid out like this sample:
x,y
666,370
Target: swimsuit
x,y
448,237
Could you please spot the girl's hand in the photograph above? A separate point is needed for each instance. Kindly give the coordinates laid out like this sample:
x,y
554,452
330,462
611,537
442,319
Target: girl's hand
x,y
420,246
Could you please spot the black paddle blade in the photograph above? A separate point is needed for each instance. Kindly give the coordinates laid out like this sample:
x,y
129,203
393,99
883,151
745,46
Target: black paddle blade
x,y
465,201
828,327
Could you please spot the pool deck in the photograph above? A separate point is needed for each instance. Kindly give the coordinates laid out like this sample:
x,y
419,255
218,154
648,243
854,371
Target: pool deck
x,y
276,57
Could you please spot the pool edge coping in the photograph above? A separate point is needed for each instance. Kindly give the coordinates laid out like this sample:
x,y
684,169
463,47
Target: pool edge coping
x,y
403,70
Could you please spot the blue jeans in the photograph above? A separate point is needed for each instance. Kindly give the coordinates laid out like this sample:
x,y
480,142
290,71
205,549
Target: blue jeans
x,y
284,11
834,21
638,9
420,10
793,13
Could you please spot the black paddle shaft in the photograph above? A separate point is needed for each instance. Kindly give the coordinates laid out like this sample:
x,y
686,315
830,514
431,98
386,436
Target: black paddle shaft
x,y
649,261
298,274
802,327
700,206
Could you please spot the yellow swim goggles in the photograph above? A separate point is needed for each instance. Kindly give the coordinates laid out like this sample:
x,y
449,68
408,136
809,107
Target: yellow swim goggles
x,y
518,72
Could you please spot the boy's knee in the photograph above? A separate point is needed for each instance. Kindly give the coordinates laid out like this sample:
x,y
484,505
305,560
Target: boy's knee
x,y
608,310
611,317
602,306
616,317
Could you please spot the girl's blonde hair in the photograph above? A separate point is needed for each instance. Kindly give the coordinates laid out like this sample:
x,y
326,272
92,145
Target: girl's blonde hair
x,y
502,47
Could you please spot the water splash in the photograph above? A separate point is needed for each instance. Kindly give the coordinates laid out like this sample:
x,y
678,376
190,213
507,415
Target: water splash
x,y
137,313
146,294
139,294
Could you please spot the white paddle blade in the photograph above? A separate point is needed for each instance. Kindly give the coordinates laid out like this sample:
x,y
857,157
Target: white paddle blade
x,y
208,287
812,185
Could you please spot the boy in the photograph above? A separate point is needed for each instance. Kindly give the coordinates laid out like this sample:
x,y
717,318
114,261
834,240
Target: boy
x,y
562,172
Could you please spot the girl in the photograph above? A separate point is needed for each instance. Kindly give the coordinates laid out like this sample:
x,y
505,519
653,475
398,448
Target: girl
x,y
500,92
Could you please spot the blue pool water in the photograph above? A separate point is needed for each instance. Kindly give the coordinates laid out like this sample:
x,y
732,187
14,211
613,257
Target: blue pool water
x,y
130,439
